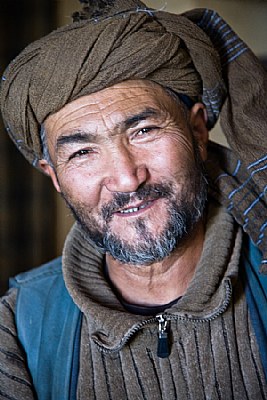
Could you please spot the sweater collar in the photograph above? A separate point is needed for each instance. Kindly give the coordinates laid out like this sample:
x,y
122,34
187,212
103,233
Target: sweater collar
x,y
207,296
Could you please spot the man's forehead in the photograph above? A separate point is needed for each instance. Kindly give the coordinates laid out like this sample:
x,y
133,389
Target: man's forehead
x,y
125,88
123,99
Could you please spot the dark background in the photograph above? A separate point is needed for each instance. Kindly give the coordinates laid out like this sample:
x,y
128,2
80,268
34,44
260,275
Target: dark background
x,y
27,199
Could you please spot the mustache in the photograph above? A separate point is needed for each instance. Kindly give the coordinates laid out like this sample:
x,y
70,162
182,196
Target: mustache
x,y
147,192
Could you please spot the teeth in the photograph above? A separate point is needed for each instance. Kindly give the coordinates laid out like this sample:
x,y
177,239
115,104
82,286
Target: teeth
x,y
129,210
134,209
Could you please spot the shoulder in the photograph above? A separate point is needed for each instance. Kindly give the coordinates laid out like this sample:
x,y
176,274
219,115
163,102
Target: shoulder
x,y
39,289
46,272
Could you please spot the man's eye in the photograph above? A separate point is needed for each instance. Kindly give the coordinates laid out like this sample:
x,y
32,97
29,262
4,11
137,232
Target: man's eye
x,y
144,131
80,153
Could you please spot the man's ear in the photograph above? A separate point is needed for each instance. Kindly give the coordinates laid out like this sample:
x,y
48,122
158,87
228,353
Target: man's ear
x,y
198,122
49,170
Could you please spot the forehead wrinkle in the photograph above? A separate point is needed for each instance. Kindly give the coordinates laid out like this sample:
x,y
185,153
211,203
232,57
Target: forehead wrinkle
x,y
129,106
65,116
103,107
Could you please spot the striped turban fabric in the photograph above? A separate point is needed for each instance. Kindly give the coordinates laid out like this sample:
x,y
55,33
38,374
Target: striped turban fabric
x,y
195,53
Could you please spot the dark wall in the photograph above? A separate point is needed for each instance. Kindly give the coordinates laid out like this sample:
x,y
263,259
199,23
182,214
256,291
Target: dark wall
x,y
27,202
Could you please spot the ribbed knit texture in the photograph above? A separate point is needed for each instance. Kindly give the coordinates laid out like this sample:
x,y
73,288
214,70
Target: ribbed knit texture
x,y
214,354
15,380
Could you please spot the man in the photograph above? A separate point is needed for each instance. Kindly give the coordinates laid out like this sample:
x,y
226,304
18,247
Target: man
x,y
164,269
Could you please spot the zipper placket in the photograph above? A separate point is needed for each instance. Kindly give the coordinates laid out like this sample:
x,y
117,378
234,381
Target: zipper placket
x,y
165,318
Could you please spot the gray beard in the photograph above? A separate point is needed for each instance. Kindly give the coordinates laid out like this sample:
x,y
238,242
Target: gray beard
x,y
154,248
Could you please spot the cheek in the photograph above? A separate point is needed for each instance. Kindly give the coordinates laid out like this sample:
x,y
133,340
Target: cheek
x,y
173,154
80,187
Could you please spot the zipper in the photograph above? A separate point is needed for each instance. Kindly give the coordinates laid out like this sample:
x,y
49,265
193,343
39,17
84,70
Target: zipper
x,y
163,337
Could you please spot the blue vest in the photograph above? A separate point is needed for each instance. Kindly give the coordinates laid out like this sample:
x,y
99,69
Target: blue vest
x,y
48,324
255,285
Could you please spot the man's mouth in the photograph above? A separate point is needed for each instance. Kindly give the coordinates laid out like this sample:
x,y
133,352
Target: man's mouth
x,y
127,205
135,209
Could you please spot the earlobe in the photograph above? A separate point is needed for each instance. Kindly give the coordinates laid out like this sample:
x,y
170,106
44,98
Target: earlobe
x,y
198,121
49,170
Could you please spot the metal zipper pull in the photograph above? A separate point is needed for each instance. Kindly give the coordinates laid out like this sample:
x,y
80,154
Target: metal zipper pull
x,y
163,340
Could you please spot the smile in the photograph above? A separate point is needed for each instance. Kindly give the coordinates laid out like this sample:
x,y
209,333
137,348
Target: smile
x,y
136,209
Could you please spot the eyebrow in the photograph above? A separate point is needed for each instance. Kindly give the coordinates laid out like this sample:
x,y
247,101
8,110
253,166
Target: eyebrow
x,y
75,137
80,136
135,119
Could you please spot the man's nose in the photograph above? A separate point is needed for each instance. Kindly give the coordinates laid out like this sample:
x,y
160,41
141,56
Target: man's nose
x,y
126,171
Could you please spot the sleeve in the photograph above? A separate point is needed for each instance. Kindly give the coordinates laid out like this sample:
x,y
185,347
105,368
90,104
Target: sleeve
x,y
15,380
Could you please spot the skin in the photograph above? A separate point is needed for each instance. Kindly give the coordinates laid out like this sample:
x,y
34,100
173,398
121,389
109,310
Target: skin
x,y
118,154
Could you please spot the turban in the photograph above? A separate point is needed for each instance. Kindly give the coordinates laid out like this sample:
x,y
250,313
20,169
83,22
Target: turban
x,y
127,41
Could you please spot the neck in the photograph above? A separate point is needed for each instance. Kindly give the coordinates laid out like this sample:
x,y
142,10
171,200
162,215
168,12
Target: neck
x,y
161,282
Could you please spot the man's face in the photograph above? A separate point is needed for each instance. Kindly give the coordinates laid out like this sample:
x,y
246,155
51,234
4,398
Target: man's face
x,y
127,162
